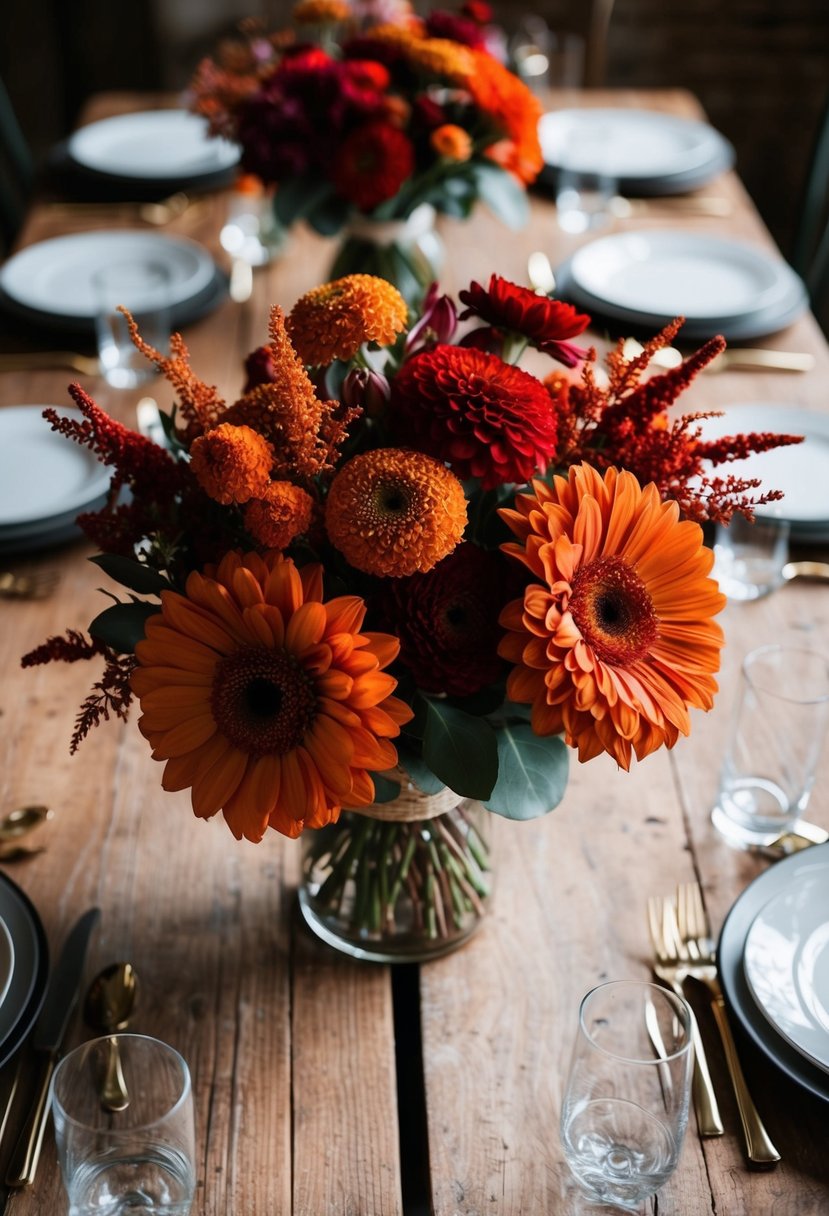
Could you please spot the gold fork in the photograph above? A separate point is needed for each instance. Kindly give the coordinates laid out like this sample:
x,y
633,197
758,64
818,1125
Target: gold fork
x,y
37,585
663,933
696,954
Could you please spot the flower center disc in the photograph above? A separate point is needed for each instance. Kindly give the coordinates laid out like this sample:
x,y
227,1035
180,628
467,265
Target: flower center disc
x,y
614,611
262,701
393,500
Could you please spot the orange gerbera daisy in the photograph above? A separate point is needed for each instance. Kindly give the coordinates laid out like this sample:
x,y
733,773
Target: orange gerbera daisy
x,y
334,320
232,463
282,513
269,704
616,640
393,512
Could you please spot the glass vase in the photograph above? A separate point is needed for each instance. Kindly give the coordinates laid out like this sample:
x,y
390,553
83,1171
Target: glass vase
x,y
391,885
408,253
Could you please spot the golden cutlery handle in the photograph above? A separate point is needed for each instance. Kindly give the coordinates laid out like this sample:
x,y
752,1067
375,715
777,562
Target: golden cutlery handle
x,y
706,1108
760,1149
774,360
23,1164
114,1094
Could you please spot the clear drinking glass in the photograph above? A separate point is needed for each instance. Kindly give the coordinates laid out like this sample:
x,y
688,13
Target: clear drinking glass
x,y
142,286
586,186
141,1159
625,1107
749,556
776,737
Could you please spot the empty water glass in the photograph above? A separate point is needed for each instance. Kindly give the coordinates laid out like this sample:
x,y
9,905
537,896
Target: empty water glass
x,y
777,733
625,1107
143,286
137,1159
586,186
749,556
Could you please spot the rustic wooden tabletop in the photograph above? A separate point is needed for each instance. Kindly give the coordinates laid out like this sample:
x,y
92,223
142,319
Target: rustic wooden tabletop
x,y
328,1086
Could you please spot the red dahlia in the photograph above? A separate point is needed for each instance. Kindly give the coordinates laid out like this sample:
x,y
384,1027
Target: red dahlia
x,y
447,620
545,323
372,164
482,416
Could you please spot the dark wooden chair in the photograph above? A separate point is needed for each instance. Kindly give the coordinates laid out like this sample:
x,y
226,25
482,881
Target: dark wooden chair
x,y
810,249
16,172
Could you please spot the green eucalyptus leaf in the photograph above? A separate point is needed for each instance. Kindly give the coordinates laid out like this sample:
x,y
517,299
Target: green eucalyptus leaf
x,y
297,196
418,770
532,773
503,194
122,625
384,789
131,574
328,214
460,749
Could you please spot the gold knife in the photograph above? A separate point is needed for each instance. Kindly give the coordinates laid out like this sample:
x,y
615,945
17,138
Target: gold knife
x,y
49,1032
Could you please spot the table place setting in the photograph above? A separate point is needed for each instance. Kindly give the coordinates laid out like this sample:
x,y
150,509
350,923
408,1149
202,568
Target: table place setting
x,y
645,278
151,154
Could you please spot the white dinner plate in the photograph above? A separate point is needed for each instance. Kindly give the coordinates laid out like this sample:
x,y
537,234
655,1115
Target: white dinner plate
x,y
786,963
55,277
800,471
741,1004
6,960
648,152
155,144
45,478
673,274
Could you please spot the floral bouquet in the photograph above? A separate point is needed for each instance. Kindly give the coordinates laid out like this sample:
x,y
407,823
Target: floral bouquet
x,y
367,119
403,575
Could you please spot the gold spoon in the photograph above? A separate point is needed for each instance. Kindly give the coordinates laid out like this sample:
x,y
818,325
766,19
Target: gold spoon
x,y
110,1003
22,820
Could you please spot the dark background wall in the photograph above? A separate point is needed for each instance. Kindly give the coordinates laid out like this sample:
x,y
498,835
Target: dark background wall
x,y
760,67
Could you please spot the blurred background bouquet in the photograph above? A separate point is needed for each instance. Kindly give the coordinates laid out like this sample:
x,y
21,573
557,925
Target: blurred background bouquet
x,y
402,575
367,120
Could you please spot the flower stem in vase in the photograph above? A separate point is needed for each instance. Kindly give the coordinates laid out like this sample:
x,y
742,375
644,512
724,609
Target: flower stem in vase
x,y
397,889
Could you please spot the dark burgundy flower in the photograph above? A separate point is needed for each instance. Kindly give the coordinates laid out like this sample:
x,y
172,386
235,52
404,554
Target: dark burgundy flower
x,y
546,324
482,416
372,164
456,28
447,620
438,322
258,368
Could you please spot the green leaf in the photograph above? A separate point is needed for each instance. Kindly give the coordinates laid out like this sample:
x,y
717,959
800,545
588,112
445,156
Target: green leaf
x,y
460,749
328,214
418,770
131,574
297,196
503,194
122,625
532,773
384,789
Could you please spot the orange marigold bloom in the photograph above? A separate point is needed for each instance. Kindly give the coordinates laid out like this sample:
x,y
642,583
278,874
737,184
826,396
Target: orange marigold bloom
x,y
282,513
393,512
320,12
334,320
451,141
615,640
267,703
304,431
441,57
512,106
232,463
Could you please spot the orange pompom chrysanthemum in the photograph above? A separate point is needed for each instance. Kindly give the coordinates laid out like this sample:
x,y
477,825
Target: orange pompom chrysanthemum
x,y
232,463
320,12
282,513
267,703
451,141
393,512
334,320
615,640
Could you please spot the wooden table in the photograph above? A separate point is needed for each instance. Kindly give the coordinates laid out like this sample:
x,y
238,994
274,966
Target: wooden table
x,y
318,1089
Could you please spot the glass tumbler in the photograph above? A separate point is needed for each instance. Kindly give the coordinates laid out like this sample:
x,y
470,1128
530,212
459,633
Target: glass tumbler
x,y
142,286
749,557
776,737
625,1107
139,1159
